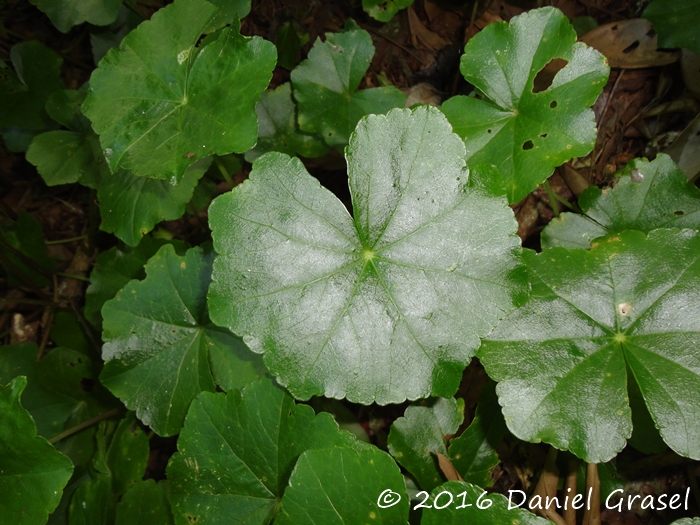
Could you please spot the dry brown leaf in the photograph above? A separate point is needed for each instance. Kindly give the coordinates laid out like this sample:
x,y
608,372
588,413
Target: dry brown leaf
x,y
629,44
690,65
448,469
421,36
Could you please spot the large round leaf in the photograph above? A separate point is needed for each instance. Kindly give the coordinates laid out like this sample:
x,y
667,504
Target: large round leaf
x,y
633,302
386,306
325,87
32,472
237,451
68,13
648,195
160,348
183,102
343,486
524,130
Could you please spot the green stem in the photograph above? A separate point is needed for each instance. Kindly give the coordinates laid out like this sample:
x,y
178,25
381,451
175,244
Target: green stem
x,y
84,424
65,241
552,199
71,276
570,205
223,171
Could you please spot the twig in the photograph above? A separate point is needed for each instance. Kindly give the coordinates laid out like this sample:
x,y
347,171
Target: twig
x,y
84,424
601,9
73,276
400,46
65,241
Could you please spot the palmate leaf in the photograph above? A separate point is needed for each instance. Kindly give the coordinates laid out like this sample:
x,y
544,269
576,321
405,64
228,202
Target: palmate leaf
x,y
341,486
494,508
526,133
676,22
647,195
561,360
131,206
277,127
145,503
325,87
68,13
387,306
415,437
32,472
160,348
237,451
159,104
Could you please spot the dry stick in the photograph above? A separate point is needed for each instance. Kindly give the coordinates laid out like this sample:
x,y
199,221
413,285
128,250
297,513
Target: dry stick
x,y
400,46
602,115
547,487
65,241
570,491
84,424
87,328
591,516
601,9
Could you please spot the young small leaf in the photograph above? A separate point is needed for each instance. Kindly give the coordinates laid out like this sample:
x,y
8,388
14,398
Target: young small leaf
x,y
160,346
387,306
24,92
415,437
342,485
525,129
277,127
145,503
475,453
68,13
131,206
561,360
472,505
32,472
325,87
184,103
237,451
384,10
647,195
676,22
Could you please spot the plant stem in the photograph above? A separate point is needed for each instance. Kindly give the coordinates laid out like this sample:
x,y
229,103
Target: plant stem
x,y
591,516
84,424
65,241
570,490
71,276
224,171
552,199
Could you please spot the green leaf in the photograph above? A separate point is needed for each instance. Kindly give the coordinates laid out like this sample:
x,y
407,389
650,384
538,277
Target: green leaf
x,y
32,472
325,87
420,433
184,103
384,10
527,133
145,503
131,206
114,269
25,256
562,359
387,306
646,196
493,511
687,521
68,13
230,10
24,91
277,127
102,39
160,348
62,157
288,45
67,331
237,451
474,454
676,22
341,486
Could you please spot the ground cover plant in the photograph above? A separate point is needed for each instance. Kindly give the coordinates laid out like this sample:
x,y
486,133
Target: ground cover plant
x,y
348,262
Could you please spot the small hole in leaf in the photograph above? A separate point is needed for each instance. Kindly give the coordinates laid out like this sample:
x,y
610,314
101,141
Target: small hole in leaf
x,y
543,135
488,131
651,33
553,104
528,144
634,45
543,79
679,212
614,28
87,384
